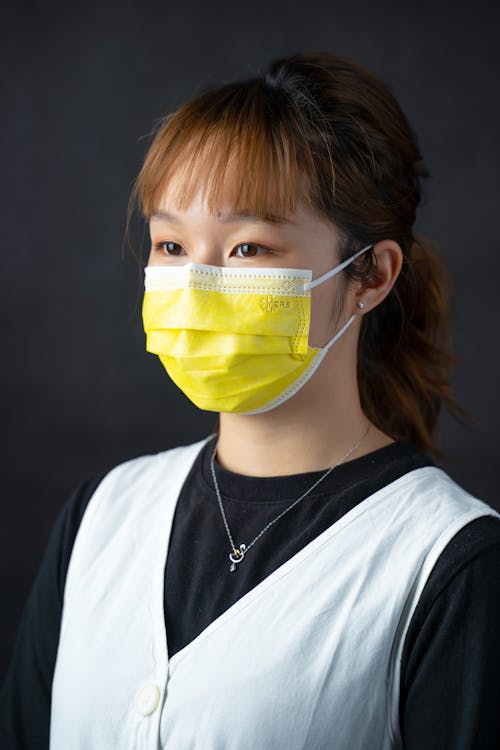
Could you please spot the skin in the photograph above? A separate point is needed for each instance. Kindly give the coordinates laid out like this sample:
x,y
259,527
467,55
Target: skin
x,y
317,426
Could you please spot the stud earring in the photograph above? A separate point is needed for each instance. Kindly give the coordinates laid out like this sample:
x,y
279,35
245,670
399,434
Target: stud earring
x,y
360,305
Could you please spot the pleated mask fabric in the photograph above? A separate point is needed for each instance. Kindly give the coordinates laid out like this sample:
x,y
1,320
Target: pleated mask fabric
x,y
234,339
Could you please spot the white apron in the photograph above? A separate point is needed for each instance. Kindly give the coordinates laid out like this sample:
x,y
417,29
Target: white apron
x,y
307,660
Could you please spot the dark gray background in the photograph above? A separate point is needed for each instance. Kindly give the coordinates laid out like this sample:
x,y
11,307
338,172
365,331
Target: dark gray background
x,y
82,87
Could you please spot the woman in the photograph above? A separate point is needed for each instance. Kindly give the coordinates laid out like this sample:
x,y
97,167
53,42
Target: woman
x,y
306,577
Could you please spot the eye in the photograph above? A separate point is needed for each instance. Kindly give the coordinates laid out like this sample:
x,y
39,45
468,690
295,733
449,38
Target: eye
x,y
170,248
249,250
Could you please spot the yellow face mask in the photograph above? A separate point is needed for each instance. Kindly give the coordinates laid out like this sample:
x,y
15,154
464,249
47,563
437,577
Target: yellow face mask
x,y
234,339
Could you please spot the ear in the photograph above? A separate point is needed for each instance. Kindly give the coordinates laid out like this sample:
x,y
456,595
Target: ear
x,y
378,283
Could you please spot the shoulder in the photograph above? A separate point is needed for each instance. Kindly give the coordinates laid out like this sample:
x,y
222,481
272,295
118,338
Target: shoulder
x,y
451,652
130,496
147,467
135,478
123,487
429,492
465,532
472,556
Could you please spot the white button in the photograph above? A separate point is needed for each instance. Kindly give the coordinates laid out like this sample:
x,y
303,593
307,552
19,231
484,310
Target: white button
x,y
147,699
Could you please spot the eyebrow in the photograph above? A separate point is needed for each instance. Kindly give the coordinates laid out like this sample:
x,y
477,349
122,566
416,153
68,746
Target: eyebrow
x,y
226,218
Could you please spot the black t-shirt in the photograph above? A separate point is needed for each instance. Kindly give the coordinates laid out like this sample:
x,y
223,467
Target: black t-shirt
x,y
451,660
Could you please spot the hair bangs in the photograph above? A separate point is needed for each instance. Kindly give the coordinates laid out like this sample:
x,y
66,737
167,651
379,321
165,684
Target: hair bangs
x,y
226,145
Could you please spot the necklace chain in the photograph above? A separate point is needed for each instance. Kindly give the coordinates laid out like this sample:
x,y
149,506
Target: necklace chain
x,y
238,553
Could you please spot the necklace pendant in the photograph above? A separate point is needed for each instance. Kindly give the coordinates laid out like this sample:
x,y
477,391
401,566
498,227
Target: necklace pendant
x,y
236,556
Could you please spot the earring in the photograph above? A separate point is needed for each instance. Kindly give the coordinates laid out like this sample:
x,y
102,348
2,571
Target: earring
x,y
360,305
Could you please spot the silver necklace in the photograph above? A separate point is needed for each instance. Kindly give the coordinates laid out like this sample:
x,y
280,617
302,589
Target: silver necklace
x,y
238,553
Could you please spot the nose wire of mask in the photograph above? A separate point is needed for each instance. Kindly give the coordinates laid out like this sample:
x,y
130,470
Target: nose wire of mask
x,y
234,339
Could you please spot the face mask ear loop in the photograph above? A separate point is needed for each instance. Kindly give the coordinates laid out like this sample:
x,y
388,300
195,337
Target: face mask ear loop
x,y
344,328
311,284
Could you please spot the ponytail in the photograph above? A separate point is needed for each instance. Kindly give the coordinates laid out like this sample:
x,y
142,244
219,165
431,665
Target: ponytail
x,y
403,351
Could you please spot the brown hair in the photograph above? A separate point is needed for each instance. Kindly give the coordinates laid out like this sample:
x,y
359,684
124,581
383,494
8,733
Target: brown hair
x,y
321,128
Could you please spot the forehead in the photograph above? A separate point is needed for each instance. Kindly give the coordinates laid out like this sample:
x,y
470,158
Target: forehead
x,y
232,187
177,205
242,178
175,202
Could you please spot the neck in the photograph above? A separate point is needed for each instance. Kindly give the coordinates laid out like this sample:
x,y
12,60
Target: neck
x,y
301,435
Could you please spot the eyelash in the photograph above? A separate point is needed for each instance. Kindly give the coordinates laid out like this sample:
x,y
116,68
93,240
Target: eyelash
x,y
160,247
